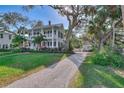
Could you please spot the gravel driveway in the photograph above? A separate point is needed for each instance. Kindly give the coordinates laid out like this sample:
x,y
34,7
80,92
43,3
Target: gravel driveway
x,y
55,76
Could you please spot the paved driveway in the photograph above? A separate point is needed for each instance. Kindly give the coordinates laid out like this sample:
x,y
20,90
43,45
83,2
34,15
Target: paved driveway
x,y
55,76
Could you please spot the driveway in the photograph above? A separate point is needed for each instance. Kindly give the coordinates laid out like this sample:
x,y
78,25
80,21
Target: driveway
x,y
55,76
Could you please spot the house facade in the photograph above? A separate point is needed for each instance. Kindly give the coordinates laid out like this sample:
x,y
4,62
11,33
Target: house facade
x,y
53,35
6,39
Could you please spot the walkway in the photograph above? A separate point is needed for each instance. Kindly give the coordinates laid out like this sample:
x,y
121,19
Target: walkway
x,y
55,76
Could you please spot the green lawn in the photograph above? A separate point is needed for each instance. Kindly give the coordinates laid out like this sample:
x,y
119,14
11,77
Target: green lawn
x,y
5,53
13,66
91,75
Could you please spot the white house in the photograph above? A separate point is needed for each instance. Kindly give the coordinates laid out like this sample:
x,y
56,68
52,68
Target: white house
x,y
53,34
6,39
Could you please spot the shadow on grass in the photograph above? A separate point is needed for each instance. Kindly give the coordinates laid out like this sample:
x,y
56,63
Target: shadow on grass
x,y
100,76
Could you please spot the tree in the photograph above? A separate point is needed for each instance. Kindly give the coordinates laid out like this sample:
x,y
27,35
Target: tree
x,y
76,42
122,10
103,24
38,39
114,13
74,15
104,18
18,40
14,20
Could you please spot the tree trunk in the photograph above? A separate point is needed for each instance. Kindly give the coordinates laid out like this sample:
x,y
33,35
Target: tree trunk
x,y
68,38
122,9
113,35
100,44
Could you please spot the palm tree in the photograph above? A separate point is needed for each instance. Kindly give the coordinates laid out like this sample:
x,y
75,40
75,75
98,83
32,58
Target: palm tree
x,y
38,39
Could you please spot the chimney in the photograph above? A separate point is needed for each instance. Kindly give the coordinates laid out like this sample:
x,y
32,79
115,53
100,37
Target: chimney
x,y
49,23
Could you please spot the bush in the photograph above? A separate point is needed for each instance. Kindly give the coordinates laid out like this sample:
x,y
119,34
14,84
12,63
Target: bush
x,y
116,60
101,59
5,50
108,58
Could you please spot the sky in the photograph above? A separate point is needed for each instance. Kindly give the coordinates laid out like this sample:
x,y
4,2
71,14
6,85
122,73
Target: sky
x,y
44,14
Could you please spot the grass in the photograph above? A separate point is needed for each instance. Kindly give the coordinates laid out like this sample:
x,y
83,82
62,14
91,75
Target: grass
x,y
5,53
14,66
94,76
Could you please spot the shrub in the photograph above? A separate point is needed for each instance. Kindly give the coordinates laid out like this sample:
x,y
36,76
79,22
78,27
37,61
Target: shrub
x,y
116,60
108,58
100,59
5,50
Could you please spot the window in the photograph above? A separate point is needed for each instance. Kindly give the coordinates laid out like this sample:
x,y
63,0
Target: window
x,y
38,33
6,46
61,35
54,43
58,34
29,44
1,35
29,34
3,46
9,36
59,44
55,32
50,43
48,33
34,33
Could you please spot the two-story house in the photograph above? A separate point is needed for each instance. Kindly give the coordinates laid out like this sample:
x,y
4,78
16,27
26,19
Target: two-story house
x,y
53,34
6,39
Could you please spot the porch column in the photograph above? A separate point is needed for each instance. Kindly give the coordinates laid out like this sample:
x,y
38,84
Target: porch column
x,y
57,39
52,37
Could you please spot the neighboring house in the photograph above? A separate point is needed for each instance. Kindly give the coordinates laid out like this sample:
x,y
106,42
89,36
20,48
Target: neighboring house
x,y
53,35
6,39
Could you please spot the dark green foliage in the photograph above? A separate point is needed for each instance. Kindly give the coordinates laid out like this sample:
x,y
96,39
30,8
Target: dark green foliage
x,y
101,59
108,58
18,40
116,59
5,50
